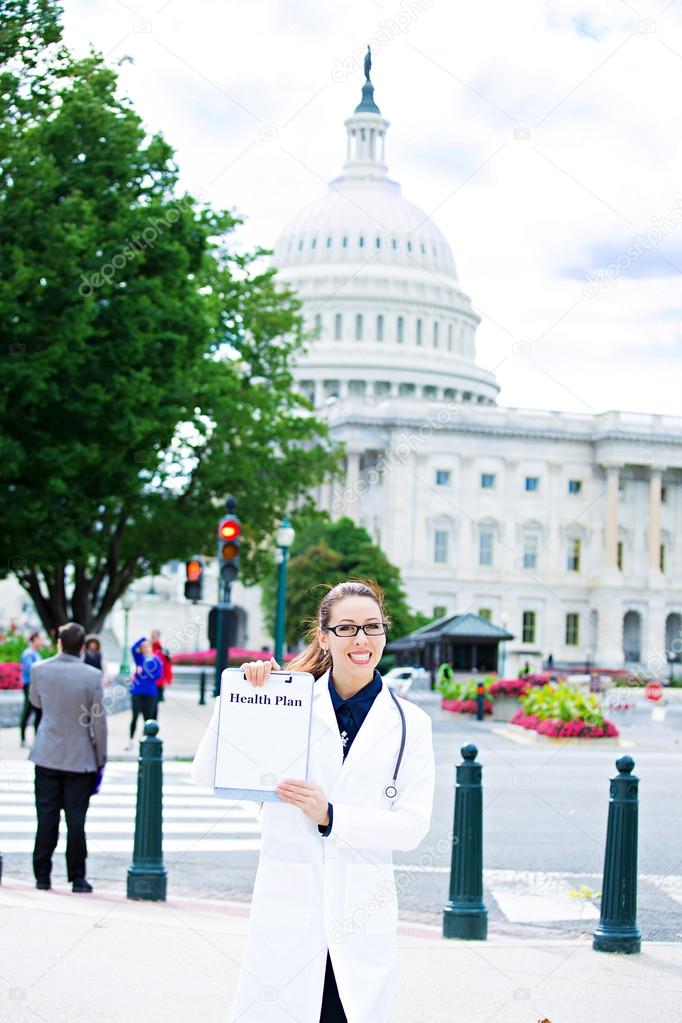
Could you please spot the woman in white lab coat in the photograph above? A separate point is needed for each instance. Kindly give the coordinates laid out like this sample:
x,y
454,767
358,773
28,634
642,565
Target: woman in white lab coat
x,y
322,933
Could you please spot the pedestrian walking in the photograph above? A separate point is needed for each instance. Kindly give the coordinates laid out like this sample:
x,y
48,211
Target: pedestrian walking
x,y
143,685
29,657
322,933
69,753
93,652
167,664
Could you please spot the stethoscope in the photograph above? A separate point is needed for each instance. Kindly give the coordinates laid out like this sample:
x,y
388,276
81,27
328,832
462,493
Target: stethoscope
x,y
391,790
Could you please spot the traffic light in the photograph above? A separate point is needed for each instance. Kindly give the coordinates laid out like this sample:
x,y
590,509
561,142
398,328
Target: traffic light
x,y
229,531
194,578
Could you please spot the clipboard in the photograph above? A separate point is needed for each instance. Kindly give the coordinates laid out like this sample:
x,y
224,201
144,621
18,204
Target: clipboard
x,y
263,734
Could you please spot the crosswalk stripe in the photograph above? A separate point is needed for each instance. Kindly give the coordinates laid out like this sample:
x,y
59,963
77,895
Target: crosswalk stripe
x,y
125,845
94,828
202,813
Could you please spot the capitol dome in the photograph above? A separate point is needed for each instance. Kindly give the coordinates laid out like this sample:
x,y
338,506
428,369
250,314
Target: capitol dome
x,y
379,288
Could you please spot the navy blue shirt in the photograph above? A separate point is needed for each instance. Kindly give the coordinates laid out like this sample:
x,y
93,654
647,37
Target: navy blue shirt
x,y
350,715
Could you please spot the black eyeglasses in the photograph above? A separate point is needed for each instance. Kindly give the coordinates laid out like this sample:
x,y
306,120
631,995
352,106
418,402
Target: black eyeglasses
x,y
346,630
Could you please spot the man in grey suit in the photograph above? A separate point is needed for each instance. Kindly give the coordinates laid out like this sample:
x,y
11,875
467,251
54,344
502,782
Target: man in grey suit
x,y
69,751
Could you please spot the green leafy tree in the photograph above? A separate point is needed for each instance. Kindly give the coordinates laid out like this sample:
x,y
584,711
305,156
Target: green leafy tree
x,y
326,552
146,370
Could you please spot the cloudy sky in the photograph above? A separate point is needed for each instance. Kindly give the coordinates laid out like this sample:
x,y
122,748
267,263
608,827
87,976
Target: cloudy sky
x,y
543,138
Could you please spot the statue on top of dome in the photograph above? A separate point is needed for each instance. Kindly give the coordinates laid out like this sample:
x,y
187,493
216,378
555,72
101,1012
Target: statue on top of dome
x,y
368,62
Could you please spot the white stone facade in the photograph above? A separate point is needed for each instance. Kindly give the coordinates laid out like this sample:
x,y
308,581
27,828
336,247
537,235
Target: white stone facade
x,y
565,528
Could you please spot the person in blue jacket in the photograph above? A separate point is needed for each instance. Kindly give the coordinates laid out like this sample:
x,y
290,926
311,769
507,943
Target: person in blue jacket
x,y
148,670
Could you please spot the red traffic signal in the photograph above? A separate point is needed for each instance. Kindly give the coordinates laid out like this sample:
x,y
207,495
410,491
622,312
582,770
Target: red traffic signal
x,y
194,578
194,569
229,529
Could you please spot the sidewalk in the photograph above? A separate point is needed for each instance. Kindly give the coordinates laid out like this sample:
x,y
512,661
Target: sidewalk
x,y
182,723
68,958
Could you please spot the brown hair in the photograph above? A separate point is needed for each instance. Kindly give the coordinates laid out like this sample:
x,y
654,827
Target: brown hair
x,y
314,659
72,636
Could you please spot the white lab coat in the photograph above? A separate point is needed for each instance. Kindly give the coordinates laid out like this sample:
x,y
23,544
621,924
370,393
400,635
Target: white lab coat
x,y
313,893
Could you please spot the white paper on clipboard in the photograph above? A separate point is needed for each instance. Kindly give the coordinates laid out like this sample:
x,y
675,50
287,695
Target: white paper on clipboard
x,y
263,733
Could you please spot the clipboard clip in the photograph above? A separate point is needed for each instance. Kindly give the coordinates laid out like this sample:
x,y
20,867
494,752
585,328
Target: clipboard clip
x,y
289,676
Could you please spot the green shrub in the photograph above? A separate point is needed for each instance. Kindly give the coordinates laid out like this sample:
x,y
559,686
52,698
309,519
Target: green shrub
x,y
563,703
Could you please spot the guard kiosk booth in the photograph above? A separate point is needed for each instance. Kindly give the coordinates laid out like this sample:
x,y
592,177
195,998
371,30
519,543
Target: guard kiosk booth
x,y
468,642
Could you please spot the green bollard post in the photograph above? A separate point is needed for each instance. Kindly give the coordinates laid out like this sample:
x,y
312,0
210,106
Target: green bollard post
x,y
147,874
202,689
617,930
464,915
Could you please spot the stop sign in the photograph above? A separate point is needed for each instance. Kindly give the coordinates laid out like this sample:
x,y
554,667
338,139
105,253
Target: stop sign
x,y
653,691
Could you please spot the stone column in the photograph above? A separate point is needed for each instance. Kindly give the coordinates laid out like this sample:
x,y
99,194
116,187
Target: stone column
x,y
654,520
612,517
351,488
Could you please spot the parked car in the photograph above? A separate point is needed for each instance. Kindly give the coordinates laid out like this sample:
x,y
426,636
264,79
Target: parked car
x,y
400,680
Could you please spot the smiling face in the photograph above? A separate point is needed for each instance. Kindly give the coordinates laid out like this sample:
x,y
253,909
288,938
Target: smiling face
x,y
353,657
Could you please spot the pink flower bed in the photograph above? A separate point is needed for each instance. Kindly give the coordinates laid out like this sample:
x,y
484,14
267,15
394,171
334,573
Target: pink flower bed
x,y
558,729
10,675
206,658
466,706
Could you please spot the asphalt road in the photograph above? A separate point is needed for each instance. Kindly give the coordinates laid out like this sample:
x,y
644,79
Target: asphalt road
x,y
545,811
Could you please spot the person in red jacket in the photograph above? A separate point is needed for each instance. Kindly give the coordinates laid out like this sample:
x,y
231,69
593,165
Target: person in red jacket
x,y
165,658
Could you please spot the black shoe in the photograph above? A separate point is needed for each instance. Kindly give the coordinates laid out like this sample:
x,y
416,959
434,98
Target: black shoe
x,y
43,884
81,885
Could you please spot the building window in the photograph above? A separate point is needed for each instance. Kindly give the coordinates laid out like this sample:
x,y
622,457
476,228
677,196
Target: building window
x,y
300,244
358,327
573,560
485,548
382,388
378,242
449,337
532,484
487,481
442,477
400,330
394,243
318,326
661,557
361,241
406,390
572,630
422,248
313,244
575,486
380,327
357,388
440,547
435,334
664,495
429,392
530,552
485,612
332,388
409,246
329,241
440,611
418,336
338,326
619,555
344,242
528,627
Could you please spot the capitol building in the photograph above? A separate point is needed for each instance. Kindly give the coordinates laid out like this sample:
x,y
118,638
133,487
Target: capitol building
x,y
564,528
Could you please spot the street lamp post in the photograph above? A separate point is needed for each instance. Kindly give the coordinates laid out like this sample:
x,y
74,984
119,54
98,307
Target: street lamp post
x,y
285,538
126,604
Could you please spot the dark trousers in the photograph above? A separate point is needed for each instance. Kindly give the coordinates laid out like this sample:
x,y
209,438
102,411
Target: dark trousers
x,y
332,1010
159,698
29,709
144,705
69,791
